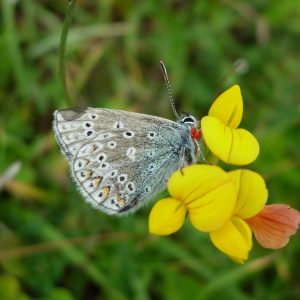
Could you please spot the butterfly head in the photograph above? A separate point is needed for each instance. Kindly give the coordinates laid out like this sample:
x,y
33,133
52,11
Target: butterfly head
x,y
187,120
191,122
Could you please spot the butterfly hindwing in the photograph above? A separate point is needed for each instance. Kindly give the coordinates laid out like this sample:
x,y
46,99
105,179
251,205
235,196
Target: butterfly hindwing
x,y
119,159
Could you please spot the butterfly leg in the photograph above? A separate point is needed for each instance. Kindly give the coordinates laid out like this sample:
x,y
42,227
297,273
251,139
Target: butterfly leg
x,y
201,153
182,163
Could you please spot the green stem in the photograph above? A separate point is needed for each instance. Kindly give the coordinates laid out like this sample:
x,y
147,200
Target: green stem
x,y
62,48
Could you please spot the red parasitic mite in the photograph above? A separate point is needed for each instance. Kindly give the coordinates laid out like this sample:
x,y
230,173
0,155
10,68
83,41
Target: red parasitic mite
x,y
196,134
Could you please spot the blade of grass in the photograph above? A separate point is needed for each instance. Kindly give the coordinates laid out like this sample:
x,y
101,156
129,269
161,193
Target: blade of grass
x,y
48,233
9,173
86,68
55,246
183,256
78,36
237,274
13,49
62,49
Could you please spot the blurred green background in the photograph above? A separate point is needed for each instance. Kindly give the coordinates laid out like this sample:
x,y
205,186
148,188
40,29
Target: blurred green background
x,y
52,244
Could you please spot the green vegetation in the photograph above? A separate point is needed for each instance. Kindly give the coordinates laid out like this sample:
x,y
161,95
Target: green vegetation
x,y
53,246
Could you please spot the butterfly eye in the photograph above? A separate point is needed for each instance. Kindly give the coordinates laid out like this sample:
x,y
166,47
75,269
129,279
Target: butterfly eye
x,y
188,120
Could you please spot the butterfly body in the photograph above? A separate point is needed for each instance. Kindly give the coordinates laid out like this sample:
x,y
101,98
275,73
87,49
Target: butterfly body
x,y
120,159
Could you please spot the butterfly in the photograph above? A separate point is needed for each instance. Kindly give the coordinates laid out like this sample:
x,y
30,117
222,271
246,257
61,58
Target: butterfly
x,y
120,160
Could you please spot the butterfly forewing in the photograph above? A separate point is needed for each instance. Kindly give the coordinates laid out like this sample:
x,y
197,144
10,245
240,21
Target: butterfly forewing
x,y
119,159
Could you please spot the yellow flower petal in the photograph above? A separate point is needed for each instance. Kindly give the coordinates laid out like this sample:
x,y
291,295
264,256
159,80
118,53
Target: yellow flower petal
x,y
252,193
208,193
234,146
228,107
234,238
166,217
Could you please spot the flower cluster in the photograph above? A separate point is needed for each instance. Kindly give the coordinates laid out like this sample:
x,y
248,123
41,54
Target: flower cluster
x,y
230,206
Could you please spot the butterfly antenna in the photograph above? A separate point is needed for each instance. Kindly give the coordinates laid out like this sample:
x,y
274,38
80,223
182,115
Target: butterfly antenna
x,y
170,94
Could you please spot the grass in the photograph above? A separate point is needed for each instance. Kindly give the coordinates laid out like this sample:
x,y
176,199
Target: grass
x,y
53,245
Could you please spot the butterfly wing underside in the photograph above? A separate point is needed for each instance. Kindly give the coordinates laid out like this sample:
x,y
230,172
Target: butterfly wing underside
x,y
118,159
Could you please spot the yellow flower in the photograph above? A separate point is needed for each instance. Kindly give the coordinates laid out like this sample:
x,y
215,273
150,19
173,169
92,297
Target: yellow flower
x,y
234,238
229,206
205,192
221,135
